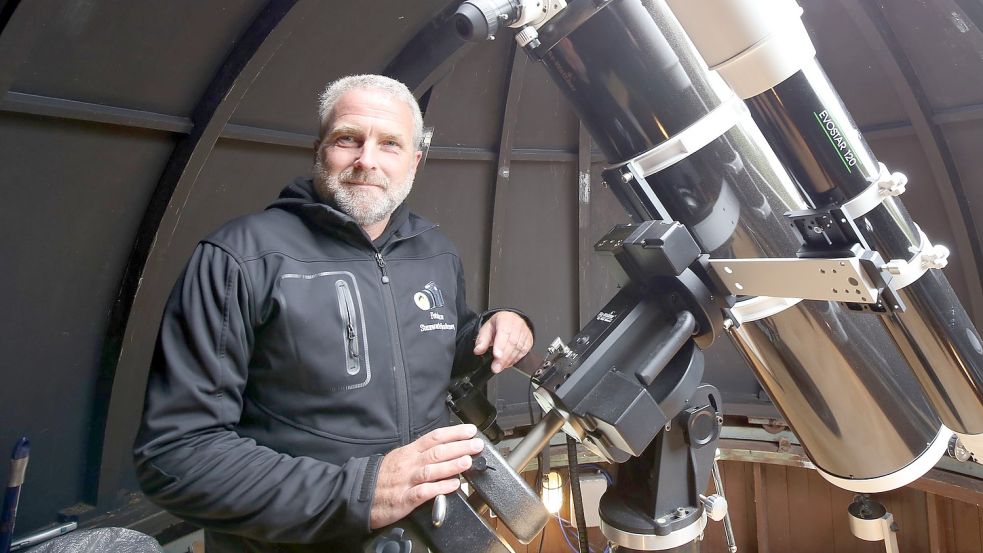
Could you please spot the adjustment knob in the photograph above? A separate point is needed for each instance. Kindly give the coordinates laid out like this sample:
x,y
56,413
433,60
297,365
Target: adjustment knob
x,y
715,506
393,542
479,463
528,35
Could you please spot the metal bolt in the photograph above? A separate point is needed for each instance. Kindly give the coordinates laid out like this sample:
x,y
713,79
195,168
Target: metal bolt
x,y
479,463
627,177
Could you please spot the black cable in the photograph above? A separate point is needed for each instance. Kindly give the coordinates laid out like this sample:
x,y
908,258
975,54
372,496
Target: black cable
x,y
578,499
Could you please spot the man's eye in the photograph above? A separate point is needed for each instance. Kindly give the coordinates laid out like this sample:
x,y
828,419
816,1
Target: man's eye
x,y
391,143
347,140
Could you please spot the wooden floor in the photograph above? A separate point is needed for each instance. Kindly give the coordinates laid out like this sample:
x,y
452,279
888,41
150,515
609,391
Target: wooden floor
x,y
786,509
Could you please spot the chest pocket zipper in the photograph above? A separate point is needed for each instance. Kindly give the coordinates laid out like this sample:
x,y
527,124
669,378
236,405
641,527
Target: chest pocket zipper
x,y
349,327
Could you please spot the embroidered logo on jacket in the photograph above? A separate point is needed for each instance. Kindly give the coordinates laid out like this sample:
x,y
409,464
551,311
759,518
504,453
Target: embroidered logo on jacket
x,y
429,298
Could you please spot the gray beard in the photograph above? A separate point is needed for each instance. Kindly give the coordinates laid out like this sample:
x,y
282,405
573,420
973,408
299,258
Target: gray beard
x,y
359,205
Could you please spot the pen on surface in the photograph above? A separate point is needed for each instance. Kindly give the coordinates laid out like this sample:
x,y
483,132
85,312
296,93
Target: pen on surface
x,y
43,536
18,468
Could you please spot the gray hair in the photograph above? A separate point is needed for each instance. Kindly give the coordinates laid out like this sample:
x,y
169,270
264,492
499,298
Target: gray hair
x,y
394,88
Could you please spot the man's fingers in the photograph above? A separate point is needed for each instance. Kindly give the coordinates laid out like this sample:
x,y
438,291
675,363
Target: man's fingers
x,y
504,345
453,450
445,435
484,338
511,345
505,339
508,336
429,490
415,473
442,471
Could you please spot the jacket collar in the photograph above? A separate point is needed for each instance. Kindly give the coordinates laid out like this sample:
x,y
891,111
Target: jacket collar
x,y
299,197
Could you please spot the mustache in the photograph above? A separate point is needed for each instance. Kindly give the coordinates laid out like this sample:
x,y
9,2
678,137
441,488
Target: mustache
x,y
363,177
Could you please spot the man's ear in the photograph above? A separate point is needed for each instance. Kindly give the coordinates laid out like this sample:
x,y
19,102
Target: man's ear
x,y
317,147
416,160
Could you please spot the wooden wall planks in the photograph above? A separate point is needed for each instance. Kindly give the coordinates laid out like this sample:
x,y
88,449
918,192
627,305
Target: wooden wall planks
x,y
785,509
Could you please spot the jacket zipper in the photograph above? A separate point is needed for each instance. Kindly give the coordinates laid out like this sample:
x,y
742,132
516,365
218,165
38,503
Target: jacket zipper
x,y
350,321
399,368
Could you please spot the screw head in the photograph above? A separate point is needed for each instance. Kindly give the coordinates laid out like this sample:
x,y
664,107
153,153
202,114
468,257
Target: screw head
x,y
479,463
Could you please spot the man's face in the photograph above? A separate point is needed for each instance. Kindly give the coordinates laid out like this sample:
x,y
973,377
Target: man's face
x,y
366,158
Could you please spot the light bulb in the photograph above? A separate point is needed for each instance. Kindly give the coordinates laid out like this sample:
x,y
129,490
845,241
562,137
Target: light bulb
x,y
553,492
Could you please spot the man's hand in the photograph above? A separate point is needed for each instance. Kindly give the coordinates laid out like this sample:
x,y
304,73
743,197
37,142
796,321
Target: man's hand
x,y
511,337
415,473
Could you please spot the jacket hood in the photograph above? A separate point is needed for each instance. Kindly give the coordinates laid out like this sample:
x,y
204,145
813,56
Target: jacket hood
x,y
299,192
300,198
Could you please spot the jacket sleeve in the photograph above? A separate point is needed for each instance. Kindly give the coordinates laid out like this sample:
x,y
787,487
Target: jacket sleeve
x,y
469,322
189,458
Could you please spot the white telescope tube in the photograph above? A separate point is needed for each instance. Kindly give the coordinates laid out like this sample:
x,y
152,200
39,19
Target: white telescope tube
x,y
753,47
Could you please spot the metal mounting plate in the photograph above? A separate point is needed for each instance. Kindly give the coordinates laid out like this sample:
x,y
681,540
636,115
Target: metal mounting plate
x,y
839,279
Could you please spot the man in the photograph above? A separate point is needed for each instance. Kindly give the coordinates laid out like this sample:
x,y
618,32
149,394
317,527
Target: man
x,y
296,396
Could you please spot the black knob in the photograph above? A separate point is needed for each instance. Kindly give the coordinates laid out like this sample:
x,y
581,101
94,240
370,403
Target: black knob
x,y
479,463
393,542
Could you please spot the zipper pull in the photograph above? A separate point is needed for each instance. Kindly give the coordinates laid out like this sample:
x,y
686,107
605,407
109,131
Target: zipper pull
x,y
353,343
382,267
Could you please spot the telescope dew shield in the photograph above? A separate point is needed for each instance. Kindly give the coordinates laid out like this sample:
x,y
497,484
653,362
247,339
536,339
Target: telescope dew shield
x,y
636,82
806,123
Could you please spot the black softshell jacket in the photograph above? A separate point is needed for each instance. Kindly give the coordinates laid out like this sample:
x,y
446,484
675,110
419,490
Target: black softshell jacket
x,y
292,354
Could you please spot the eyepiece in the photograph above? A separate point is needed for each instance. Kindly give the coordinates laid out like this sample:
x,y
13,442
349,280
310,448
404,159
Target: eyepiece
x,y
479,20
471,23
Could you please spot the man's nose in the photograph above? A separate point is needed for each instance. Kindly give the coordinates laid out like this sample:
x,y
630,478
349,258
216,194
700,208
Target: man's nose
x,y
367,157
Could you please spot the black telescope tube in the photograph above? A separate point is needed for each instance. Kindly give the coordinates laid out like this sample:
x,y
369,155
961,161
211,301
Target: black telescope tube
x,y
621,73
814,136
805,121
634,79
